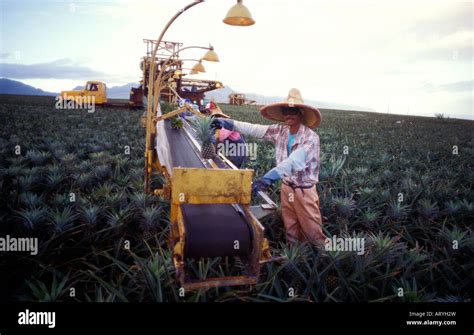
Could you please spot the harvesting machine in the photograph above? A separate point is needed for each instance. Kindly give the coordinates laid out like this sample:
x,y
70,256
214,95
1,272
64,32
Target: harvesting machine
x,y
239,99
168,55
210,199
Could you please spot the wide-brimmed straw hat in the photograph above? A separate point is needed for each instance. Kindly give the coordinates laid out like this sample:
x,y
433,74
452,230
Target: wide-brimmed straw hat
x,y
218,112
311,115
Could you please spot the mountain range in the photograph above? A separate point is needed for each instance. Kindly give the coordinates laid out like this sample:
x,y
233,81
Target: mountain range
x,y
8,86
222,95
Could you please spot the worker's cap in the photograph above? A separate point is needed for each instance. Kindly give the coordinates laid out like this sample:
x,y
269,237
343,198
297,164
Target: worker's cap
x,y
293,103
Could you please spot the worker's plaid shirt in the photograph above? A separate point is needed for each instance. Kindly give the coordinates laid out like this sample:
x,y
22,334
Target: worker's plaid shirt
x,y
305,138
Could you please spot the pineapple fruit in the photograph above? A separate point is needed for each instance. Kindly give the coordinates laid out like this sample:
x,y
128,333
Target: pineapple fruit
x,y
177,123
332,282
204,133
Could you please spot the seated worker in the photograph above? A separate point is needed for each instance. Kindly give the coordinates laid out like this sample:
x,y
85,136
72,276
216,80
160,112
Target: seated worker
x,y
297,157
230,143
210,106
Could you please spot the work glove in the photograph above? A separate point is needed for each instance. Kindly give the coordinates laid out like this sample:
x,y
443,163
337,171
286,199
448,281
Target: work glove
x,y
258,185
265,182
222,123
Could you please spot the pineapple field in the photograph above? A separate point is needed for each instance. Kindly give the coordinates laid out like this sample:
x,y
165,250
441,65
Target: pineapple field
x,y
74,180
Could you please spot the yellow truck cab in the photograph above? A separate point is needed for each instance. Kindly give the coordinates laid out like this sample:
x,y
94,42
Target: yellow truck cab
x,y
95,89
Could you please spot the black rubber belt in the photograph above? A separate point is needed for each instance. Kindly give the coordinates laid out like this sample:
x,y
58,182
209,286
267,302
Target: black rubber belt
x,y
216,230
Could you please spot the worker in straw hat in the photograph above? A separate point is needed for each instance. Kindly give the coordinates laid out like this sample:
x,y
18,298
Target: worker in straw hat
x,y
297,157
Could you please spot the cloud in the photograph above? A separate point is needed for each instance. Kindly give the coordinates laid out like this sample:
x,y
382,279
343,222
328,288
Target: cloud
x,y
455,47
454,87
58,69
442,19
5,55
424,31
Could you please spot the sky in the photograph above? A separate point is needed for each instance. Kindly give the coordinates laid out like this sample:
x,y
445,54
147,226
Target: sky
x,y
401,57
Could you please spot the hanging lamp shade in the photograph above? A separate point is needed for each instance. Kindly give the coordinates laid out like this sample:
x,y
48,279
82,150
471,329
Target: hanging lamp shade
x,y
198,67
239,15
211,56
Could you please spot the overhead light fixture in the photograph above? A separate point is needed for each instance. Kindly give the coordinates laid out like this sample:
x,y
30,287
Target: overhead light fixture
x,y
239,15
198,67
211,56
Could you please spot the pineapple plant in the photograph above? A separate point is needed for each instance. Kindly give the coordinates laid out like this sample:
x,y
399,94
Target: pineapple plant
x,y
89,214
62,220
140,199
343,207
84,181
446,236
428,209
37,158
412,292
42,293
60,200
204,133
396,211
381,241
332,167
365,194
116,218
467,206
27,183
149,222
369,217
102,172
31,218
69,159
31,200
451,207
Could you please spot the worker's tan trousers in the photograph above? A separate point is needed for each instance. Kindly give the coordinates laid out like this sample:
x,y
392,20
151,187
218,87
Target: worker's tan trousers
x,y
301,215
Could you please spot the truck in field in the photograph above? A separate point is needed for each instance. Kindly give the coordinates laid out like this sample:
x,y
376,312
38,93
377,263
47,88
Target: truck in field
x,y
93,91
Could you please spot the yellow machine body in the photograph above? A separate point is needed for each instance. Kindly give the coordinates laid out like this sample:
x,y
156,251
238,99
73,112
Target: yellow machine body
x,y
214,186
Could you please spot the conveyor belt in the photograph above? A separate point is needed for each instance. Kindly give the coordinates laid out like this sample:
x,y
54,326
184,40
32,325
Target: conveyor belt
x,y
211,230
182,152
215,230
